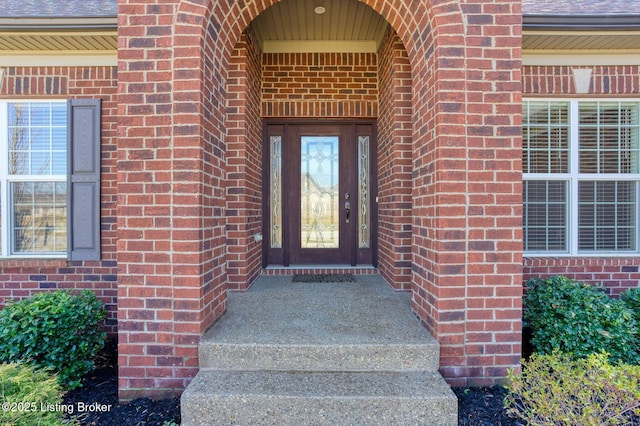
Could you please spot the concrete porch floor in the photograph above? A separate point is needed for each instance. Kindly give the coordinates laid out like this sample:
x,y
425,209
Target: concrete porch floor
x,y
276,310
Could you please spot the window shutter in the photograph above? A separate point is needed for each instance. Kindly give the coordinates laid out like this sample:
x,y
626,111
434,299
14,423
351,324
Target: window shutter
x,y
84,179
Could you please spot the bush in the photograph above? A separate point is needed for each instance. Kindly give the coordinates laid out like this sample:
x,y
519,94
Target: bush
x,y
631,298
26,393
579,319
55,330
557,390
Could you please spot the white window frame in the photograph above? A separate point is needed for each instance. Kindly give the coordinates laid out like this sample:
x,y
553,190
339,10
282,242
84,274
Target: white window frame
x,y
6,207
573,177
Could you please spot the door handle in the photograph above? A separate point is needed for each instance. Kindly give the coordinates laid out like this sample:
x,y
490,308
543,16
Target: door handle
x,y
347,210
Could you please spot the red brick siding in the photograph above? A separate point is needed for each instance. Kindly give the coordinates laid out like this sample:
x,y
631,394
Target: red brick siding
x,y
320,85
20,278
618,80
394,163
171,192
466,136
467,229
615,273
244,164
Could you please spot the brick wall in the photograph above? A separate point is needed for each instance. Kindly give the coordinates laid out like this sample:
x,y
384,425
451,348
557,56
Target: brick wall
x,y
615,273
558,80
244,164
20,278
467,211
320,85
466,274
394,162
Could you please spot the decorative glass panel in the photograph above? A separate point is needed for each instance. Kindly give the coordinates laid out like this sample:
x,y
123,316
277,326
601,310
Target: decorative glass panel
x,y
319,195
545,215
39,217
546,137
364,219
609,137
607,215
275,143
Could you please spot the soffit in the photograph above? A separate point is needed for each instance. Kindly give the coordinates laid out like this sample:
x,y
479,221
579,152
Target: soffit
x,y
295,20
51,35
580,40
51,43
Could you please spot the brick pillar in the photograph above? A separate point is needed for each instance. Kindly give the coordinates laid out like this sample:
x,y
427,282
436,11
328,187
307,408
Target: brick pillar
x,y
467,228
171,197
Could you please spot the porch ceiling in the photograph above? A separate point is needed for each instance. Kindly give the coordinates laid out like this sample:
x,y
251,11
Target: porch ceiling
x,y
345,23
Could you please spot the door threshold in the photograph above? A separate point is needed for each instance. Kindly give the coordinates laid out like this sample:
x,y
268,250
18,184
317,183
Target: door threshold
x,y
319,269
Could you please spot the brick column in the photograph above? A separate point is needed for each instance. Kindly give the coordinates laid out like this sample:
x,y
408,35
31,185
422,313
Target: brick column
x,y
467,228
171,179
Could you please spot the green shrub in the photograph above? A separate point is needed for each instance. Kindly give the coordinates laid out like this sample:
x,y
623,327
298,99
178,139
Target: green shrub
x,y
557,390
631,298
27,395
55,330
579,319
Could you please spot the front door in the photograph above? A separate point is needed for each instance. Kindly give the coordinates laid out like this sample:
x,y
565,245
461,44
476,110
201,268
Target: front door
x,y
319,194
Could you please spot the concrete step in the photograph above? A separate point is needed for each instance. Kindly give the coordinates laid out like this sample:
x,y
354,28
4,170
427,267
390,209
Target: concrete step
x,y
380,357
318,354
318,398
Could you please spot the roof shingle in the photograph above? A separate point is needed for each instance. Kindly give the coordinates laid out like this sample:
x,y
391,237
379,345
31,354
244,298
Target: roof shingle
x,y
580,7
58,8
109,8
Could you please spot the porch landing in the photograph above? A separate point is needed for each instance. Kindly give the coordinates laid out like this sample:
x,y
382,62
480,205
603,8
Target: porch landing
x,y
318,353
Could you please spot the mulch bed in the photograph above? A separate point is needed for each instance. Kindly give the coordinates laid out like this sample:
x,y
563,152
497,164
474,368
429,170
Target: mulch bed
x,y
101,387
476,406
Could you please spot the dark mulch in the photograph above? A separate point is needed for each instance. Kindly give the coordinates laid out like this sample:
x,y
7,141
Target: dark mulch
x,y
483,407
101,387
476,406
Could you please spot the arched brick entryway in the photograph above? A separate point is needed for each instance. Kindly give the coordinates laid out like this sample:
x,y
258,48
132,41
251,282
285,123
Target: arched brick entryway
x,y
466,266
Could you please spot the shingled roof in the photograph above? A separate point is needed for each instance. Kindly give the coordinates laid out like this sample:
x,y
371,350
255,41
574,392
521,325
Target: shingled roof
x,y
58,8
580,7
109,8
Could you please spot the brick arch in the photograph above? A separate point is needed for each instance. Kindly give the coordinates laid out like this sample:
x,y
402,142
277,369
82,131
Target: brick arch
x,y
466,262
414,22
432,33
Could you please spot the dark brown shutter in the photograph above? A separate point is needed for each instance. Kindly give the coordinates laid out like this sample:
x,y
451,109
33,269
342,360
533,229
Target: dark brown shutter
x,y
84,179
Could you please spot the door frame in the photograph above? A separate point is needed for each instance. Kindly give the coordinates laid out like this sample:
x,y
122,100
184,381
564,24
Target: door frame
x,y
282,256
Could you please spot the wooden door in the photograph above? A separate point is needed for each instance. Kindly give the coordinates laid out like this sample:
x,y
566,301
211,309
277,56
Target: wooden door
x,y
317,202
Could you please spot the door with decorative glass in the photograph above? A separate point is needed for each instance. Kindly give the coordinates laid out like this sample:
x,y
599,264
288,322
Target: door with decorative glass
x,y
318,194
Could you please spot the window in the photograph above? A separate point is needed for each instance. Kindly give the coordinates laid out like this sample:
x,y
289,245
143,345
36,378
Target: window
x,y
50,179
581,171
33,178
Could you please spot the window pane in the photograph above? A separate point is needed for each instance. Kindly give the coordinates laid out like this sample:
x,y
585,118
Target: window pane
x,y
546,137
609,137
606,215
39,217
40,114
545,215
36,131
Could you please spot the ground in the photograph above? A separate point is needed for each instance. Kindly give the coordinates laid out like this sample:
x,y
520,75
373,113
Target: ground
x,y
476,406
